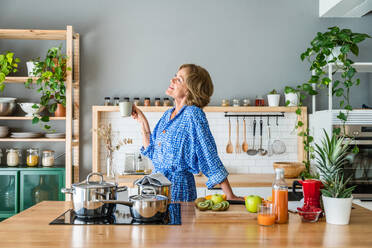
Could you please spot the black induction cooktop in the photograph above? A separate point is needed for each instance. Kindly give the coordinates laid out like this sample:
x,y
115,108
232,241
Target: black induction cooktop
x,y
121,216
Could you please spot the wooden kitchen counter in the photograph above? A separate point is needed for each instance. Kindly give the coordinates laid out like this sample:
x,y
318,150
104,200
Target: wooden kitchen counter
x,y
30,229
236,180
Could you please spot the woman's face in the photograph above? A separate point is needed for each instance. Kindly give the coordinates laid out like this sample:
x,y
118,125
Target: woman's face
x,y
177,88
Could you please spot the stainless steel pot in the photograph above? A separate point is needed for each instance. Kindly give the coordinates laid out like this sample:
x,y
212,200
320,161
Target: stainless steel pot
x,y
87,197
146,207
160,190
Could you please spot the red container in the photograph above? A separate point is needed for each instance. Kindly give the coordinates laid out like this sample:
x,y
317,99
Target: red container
x,y
260,101
311,190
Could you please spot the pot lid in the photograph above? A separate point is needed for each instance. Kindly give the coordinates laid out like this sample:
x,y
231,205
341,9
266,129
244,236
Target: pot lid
x,y
87,184
148,198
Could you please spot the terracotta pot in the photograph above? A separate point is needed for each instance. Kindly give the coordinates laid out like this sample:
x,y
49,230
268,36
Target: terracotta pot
x,y
60,111
291,169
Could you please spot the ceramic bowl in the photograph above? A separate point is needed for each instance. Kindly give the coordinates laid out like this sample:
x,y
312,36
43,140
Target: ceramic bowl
x,y
29,110
7,106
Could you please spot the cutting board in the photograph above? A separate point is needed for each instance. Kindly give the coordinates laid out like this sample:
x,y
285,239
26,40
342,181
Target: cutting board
x,y
235,212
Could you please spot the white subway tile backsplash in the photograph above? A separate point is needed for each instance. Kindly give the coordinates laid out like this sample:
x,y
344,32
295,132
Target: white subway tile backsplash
x,y
234,163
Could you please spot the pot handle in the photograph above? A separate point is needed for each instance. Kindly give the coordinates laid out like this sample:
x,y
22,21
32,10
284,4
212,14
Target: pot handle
x,y
67,190
126,203
152,189
95,174
121,188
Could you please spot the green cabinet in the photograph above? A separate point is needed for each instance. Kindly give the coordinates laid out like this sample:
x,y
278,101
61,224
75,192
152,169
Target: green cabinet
x,y
23,187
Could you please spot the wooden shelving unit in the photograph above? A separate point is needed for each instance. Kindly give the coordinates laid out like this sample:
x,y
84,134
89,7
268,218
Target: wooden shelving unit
x,y
97,110
72,94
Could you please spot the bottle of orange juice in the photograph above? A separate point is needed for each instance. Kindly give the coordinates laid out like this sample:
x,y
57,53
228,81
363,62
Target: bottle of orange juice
x,y
280,197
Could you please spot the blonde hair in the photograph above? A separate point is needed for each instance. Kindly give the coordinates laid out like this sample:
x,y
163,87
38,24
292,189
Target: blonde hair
x,y
199,85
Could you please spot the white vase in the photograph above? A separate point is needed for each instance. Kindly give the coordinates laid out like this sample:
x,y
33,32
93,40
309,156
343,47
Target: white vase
x,y
30,68
336,51
273,100
337,210
292,98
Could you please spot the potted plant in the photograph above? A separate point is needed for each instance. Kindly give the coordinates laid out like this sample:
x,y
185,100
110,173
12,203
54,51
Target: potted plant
x,y
31,65
273,98
336,196
291,96
51,83
8,64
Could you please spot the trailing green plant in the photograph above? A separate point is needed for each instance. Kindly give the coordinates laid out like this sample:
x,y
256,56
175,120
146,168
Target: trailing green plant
x,y
319,54
8,64
51,73
332,157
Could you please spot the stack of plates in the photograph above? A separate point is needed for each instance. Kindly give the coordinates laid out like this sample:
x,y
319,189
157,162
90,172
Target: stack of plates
x,y
25,135
55,135
4,130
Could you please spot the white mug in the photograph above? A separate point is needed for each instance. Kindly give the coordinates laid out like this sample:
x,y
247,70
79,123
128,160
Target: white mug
x,y
125,109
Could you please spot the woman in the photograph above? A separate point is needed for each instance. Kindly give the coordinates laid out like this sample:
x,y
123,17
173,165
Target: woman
x,y
181,143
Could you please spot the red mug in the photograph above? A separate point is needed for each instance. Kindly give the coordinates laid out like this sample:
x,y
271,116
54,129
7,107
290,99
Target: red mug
x,y
311,190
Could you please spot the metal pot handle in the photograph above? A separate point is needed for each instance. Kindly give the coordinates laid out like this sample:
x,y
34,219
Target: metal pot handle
x,y
152,189
67,190
121,188
126,203
95,174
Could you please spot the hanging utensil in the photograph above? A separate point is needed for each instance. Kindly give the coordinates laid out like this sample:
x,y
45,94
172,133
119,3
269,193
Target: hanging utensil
x,y
229,147
245,144
237,145
269,144
262,151
253,151
278,145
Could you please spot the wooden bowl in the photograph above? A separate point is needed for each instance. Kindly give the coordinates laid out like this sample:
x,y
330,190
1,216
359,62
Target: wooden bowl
x,y
291,169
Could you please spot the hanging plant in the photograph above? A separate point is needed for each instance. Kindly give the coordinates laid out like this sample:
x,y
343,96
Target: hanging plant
x,y
51,73
334,46
8,64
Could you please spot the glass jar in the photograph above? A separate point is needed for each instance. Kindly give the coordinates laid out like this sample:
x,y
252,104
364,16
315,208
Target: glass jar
x,y
116,101
107,101
260,101
236,103
157,102
32,158
1,156
147,102
225,103
140,164
166,102
47,158
13,157
126,99
246,102
136,101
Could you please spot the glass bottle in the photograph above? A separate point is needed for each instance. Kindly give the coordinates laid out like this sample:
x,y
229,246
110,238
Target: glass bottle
x,y
236,103
140,166
136,101
166,102
32,158
157,102
13,157
280,197
8,195
116,101
147,102
225,103
107,101
42,192
47,158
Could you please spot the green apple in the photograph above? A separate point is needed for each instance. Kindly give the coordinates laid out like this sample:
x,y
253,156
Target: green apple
x,y
217,198
252,203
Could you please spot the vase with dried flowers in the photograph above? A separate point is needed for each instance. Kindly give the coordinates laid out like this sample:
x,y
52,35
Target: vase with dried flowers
x,y
107,135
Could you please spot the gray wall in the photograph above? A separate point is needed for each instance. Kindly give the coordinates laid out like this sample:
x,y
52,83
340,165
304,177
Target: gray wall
x,y
132,48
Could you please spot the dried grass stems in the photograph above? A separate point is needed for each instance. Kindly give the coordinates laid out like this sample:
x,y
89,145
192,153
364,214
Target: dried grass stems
x,y
107,135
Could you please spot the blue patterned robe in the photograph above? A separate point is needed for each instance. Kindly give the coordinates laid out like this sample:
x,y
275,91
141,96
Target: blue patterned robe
x,y
182,147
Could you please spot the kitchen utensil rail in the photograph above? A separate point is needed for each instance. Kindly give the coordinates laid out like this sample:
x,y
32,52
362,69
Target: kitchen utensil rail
x,y
254,115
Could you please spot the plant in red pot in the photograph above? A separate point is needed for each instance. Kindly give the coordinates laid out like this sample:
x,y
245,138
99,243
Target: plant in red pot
x,y
51,84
